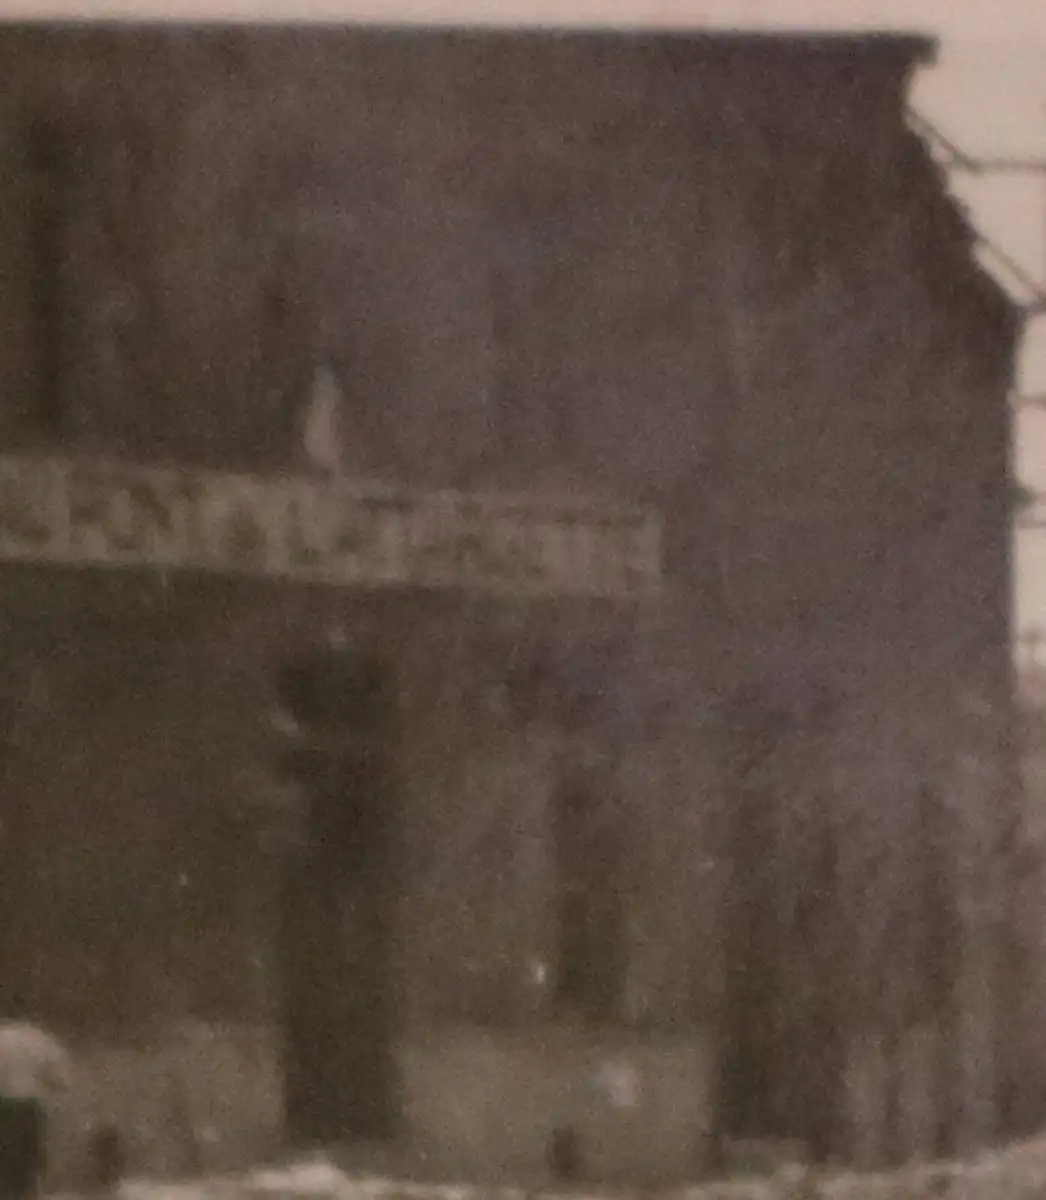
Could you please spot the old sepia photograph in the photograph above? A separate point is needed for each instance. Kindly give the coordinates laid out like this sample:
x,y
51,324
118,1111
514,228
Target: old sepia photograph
x,y
522,609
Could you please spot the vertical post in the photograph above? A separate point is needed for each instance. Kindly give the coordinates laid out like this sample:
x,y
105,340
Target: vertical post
x,y
867,1094
976,1016
1042,172
22,695
917,1092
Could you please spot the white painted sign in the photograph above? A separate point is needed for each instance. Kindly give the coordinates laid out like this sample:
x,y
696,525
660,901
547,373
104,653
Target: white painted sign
x,y
86,513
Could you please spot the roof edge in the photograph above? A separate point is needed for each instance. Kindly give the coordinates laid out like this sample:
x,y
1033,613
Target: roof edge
x,y
919,45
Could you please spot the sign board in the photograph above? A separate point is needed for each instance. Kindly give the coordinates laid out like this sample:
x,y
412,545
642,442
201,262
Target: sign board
x,y
89,514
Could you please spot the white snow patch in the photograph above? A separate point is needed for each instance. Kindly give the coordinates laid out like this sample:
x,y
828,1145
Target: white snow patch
x,y
316,1178
1017,1173
150,1190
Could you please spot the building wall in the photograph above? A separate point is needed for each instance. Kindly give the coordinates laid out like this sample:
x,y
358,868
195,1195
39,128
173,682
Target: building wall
x,y
150,885
650,269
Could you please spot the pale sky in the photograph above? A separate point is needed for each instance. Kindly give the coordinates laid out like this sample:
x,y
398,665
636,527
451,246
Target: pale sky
x,y
988,93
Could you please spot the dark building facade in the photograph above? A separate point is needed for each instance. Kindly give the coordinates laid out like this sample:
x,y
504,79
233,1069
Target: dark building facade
x,y
639,868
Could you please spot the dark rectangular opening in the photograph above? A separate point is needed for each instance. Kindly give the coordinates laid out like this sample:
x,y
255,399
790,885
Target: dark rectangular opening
x,y
338,890
51,159
591,958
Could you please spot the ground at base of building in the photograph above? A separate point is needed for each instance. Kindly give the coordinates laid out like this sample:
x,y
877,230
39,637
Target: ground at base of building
x,y
1016,1173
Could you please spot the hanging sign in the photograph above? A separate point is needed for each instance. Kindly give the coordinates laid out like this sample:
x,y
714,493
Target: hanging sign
x,y
90,514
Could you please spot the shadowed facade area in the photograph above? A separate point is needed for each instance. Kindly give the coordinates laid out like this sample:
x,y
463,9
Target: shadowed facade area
x,y
634,877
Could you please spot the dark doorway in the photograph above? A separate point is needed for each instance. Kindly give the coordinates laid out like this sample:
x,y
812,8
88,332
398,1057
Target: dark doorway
x,y
782,1055
337,892
591,951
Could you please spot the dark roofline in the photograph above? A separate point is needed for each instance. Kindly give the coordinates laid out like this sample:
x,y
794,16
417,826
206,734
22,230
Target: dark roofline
x,y
916,46
954,225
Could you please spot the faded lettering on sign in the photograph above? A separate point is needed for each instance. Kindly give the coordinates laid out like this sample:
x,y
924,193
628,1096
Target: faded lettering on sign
x,y
333,532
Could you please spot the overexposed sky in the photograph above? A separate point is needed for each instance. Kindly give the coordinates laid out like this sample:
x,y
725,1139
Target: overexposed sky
x,y
977,19
988,93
